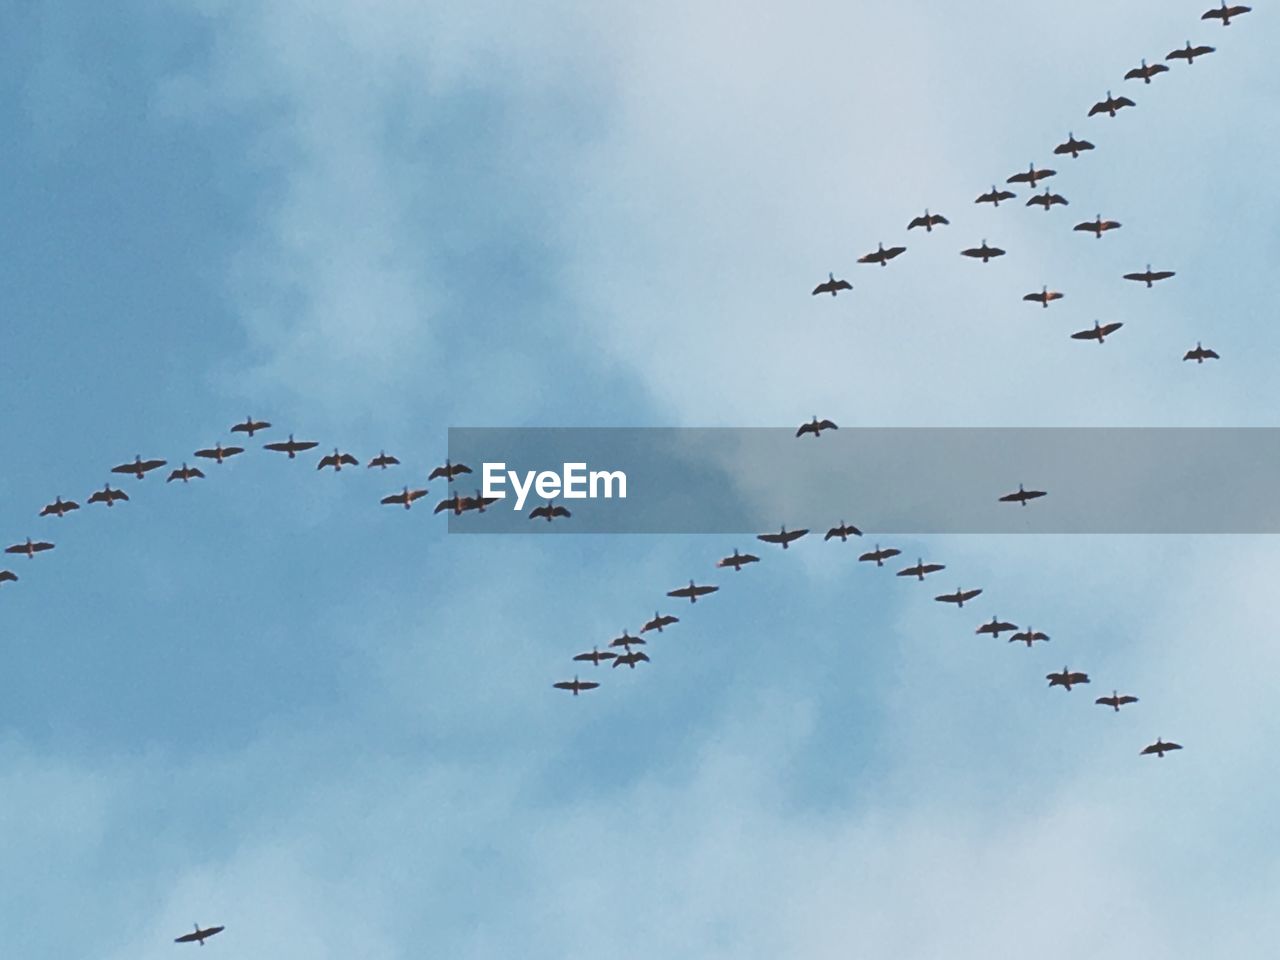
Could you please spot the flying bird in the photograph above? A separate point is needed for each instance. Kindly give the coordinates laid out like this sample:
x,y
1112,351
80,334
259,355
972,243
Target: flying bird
x,y
1066,678
448,471
596,655
1047,200
1189,53
8,576
59,507
737,560
1022,496
108,496
880,556
1099,332
920,569
1110,105
658,622
844,532
250,426
1044,297
200,935
1225,13
29,548
785,537
139,467
549,512
815,426
692,591
1145,73
1029,636
959,597
454,503
1150,276
996,627
626,640
405,498
291,446
1073,146
1098,226
984,252
336,460
1031,176
1200,354
881,255
928,221
477,503
1115,701
383,460
994,196
575,685
219,453
832,285
1160,748
631,658
186,474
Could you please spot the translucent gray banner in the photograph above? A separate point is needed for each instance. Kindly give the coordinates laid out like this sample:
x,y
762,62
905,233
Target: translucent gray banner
x,y
881,480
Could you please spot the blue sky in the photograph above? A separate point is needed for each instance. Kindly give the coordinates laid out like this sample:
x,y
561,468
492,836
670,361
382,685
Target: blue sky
x,y
264,701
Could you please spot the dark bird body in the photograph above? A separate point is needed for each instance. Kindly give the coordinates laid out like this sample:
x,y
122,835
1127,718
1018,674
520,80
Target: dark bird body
x,y
455,503
1110,105
291,446
1160,748
108,496
1150,276
29,548
1022,496
959,597
1200,354
1097,226
1225,13
994,196
405,498
139,467
549,512
626,641
200,935
1047,200
928,221
219,453
59,507
250,426
692,591
1066,678
1145,73
383,460
920,569
1099,332
784,537
576,685
815,426
1031,176
448,471
1115,701
336,460
880,556
1044,297
996,627
1073,146
596,655
631,658
186,474
1029,636
983,252
844,532
658,622
1189,53
881,255
737,560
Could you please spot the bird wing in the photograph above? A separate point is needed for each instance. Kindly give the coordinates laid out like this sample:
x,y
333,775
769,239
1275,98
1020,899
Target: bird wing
x,y
210,453
1209,354
939,218
827,425
587,684
1037,297
875,257
1108,701
932,567
1162,274
7,575
539,512
806,428
231,451
769,537
918,222
1078,677
395,498
893,252
1099,107
327,461
705,590
1023,177
97,497
970,594
564,684
438,472
1126,699
1085,335
1033,494
125,468
349,459
560,512
1087,225
1111,328
1137,73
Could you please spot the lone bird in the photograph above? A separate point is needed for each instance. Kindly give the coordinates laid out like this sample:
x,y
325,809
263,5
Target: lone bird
x,y
8,576
1066,678
250,426
336,460
920,569
383,460
1189,53
1073,146
1110,105
200,935
815,426
880,556
832,285
219,453
1097,226
1150,276
881,255
575,685
658,622
59,507
1145,73
844,532
984,252
186,474
959,597
737,560
1115,701
928,221
29,548
1031,176
1022,496
448,471
1044,297
631,658
1047,200
1160,748
785,537
1029,636
291,446
1200,354
994,196
1225,13
596,655
139,467
549,512
1099,332
626,640
692,591
996,627
405,497
108,496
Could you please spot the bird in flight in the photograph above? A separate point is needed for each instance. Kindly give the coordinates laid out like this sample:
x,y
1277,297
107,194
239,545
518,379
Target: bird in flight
x,y
785,537
575,685
1189,53
1160,748
1044,297
1073,146
477,503
186,474
1150,276
1225,13
1099,332
1110,105
658,622
815,426
832,286
59,507
595,656
631,658
994,196
405,498
291,446
692,591
880,556
383,460
549,512
8,576
336,460
108,496
1145,73
1047,200
455,503
737,560
996,627
881,255
200,935
984,252
250,426
139,467
1066,678
219,453
29,548
1031,176
1200,354
959,597
448,471
920,569
928,221
1028,636
1098,226
1115,701
1022,496
626,641
844,532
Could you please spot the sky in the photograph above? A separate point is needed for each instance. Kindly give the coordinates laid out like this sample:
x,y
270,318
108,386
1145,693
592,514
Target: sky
x,y
265,701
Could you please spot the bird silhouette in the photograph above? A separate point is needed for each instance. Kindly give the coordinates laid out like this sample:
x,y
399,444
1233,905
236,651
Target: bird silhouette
x,y
784,537
1031,176
59,508
219,453
815,426
1115,701
200,935
984,252
454,503
1066,678
738,560
928,221
692,591
596,655
291,446
1149,276
1073,146
1047,200
1160,748
996,627
1145,72
1200,354
383,460
1225,13
139,467
1189,53
8,576
405,498
108,496
1097,226
1044,297
1028,636
1022,496
959,598
576,685
658,622
994,196
832,285
336,460
250,426
880,556
186,474
626,641
1099,332
29,548
844,532
881,255
1110,105
920,569
448,471
631,658
549,512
